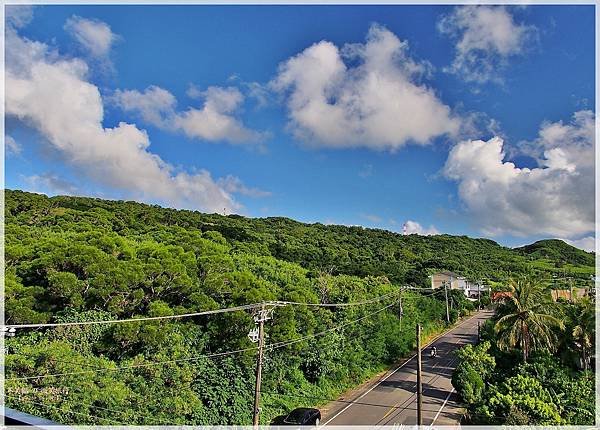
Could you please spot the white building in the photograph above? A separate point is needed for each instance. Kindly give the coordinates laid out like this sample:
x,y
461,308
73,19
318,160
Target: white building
x,y
454,281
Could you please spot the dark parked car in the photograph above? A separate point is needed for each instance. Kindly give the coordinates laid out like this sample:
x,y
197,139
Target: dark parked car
x,y
299,416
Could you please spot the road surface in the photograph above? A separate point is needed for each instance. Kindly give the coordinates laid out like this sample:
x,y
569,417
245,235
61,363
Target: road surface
x,y
391,400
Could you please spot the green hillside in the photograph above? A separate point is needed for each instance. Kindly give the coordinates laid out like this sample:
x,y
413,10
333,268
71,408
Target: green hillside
x,y
71,259
557,251
333,248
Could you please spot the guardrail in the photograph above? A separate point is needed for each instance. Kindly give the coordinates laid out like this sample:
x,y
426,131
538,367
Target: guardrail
x,y
13,417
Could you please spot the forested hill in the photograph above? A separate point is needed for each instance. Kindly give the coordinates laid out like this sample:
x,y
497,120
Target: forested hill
x,y
71,259
320,248
558,251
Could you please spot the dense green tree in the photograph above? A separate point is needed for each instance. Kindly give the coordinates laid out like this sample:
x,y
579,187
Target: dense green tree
x,y
544,390
526,318
71,259
584,331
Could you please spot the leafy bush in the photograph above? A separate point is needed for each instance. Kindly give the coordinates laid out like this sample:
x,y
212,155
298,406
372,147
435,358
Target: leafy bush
x,y
81,259
468,383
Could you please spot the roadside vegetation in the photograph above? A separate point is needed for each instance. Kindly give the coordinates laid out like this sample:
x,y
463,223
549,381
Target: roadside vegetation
x,y
72,259
533,364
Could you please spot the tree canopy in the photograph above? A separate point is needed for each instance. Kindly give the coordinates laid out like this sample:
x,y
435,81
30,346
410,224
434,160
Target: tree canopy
x,y
72,259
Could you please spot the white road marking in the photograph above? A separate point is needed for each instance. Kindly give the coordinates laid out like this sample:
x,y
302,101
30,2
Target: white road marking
x,y
395,370
443,405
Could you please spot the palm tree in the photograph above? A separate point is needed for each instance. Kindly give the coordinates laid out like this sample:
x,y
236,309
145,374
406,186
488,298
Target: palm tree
x,y
526,318
583,333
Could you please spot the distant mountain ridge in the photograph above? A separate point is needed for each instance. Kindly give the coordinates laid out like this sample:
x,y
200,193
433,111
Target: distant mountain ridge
x,y
556,249
332,248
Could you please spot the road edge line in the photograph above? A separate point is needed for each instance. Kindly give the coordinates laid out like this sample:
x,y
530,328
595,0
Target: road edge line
x,y
395,370
443,406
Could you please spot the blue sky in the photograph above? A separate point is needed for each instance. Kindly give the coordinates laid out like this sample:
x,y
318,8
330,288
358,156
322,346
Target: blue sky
x,y
459,120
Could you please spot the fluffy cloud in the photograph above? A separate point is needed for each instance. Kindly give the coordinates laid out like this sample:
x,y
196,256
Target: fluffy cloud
x,y
486,37
93,35
556,198
587,243
154,105
51,94
49,183
213,122
234,185
18,16
374,99
11,147
413,227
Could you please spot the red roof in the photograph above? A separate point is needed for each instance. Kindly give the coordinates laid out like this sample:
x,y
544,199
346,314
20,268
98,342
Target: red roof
x,y
497,295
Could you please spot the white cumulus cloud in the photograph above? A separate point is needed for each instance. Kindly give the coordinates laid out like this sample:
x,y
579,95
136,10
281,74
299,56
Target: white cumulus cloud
x,y
52,95
154,105
93,35
215,121
486,37
556,198
413,227
361,95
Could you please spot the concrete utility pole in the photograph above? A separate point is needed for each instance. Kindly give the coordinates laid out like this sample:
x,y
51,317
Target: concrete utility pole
x,y
258,335
419,386
401,311
447,309
571,299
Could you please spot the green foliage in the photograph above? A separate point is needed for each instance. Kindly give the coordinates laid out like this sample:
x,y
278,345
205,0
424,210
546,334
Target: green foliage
x,y
468,383
526,318
478,357
74,259
581,329
528,395
540,391
475,366
557,251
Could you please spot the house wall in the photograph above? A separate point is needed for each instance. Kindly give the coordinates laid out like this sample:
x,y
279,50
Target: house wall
x,y
566,294
438,279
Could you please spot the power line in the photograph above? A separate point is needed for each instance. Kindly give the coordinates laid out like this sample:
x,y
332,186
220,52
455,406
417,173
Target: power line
x,y
221,354
194,314
135,366
286,343
354,402
268,347
24,354
364,302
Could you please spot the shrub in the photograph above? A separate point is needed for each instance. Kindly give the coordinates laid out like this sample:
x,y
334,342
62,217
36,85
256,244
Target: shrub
x,y
468,383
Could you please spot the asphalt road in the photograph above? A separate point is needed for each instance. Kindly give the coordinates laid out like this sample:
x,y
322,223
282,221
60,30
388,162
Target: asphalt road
x,y
391,400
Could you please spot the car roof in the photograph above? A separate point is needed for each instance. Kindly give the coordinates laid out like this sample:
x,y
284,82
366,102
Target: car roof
x,y
299,413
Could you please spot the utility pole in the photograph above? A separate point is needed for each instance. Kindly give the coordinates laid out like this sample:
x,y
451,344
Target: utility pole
x,y
571,290
447,309
401,311
258,335
419,386
479,295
